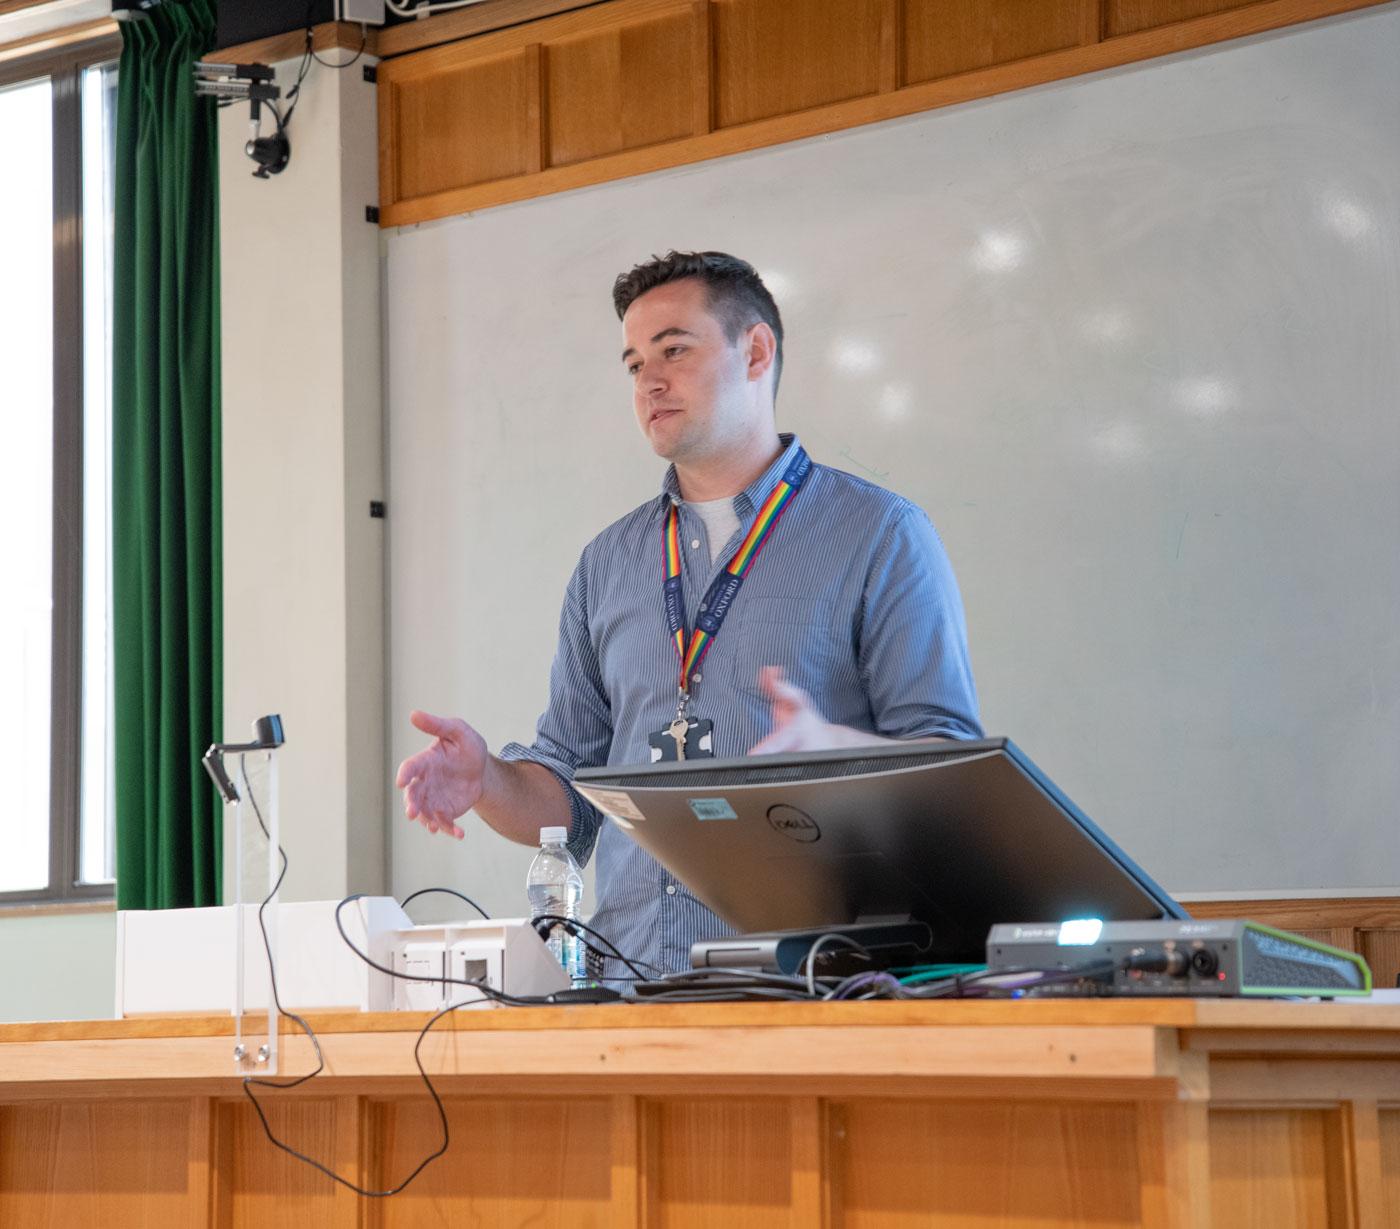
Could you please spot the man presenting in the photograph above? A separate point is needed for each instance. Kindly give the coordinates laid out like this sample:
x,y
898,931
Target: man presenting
x,y
761,603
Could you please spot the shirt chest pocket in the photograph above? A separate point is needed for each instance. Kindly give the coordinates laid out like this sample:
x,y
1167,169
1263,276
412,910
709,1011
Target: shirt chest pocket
x,y
794,633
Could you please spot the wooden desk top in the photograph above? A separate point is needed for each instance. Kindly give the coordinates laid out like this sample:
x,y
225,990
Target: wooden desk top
x,y
873,1046
1343,1015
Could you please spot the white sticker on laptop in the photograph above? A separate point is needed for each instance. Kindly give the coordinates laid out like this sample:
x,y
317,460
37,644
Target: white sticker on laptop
x,y
613,802
711,808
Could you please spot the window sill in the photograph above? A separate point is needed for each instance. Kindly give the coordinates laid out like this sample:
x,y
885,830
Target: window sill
x,y
49,908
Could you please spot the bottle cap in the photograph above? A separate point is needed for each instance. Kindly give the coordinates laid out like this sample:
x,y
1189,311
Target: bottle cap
x,y
553,836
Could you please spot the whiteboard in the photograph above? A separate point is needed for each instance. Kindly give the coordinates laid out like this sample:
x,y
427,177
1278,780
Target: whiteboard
x,y
1132,340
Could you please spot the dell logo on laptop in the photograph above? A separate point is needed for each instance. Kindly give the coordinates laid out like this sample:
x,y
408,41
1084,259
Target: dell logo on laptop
x,y
795,824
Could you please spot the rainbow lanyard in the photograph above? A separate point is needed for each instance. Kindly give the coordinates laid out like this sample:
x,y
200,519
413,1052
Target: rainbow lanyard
x,y
720,595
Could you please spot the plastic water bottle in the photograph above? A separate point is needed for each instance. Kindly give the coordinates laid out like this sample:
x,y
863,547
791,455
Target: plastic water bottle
x,y
555,886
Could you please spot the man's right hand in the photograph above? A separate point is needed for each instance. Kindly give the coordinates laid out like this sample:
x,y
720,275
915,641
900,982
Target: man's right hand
x,y
443,782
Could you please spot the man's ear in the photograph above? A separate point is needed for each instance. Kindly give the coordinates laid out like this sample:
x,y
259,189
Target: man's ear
x,y
762,349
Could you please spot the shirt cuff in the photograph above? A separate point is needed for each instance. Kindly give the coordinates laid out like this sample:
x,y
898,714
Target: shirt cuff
x,y
586,819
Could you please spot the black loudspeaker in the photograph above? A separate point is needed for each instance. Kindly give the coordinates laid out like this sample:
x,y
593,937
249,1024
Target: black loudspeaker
x,y
244,21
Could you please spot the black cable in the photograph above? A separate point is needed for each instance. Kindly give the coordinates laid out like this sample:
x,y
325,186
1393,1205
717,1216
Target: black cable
x,y
558,919
403,904
364,38
758,976
485,990
267,947
729,995
958,985
307,55
422,1165
249,1081
488,991
293,94
688,986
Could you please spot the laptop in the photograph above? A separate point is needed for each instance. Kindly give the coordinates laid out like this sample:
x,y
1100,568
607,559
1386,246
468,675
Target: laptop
x,y
943,838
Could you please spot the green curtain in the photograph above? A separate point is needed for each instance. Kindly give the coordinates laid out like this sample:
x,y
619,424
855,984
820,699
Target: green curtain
x,y
166,525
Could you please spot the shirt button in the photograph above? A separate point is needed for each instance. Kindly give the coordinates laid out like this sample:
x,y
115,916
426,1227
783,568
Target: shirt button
x,y
695,678
670,889
694,543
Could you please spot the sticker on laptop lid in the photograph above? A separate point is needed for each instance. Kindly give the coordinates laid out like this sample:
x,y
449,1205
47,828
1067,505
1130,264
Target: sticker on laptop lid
x,y
613,802
711,808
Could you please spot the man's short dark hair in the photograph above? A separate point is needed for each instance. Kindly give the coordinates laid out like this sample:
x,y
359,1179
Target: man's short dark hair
x,y
735,294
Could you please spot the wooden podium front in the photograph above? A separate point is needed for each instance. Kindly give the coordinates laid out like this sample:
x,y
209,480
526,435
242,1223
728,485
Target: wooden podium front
x,y
1035,1113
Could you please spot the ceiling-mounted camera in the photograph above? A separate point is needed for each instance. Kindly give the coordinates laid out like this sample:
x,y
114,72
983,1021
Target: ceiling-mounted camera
x,y
257,84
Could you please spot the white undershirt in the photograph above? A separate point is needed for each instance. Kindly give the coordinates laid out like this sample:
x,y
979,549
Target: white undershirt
x,y
720,519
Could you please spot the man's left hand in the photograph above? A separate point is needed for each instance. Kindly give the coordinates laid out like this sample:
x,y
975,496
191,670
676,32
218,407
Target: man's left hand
x,y
797,726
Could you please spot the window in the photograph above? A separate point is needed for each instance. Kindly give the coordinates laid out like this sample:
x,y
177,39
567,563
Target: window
x,y
56,125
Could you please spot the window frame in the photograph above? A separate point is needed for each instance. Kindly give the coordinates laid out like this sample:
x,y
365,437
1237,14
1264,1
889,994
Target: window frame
x,y
64,68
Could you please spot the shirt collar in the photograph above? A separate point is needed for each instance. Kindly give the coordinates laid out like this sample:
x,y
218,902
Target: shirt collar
x,y
753,495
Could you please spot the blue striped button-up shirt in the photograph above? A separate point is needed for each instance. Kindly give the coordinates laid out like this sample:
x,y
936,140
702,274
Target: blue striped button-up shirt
x,y
852,595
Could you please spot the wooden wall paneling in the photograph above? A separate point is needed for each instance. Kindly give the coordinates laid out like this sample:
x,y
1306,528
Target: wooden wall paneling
x,y
622,87
201,1161
535,116
702,94
810,1132
733,99
720,1161
1381,949
466,123
122,1164
1173,1142
1361,1148
386,102
626,1185
946,37
261,1187
892,47
1338,1155
458,24
1130,16
946,1163
775,57
1388,1148
511,1161
1310,913
352,1159
1275,1168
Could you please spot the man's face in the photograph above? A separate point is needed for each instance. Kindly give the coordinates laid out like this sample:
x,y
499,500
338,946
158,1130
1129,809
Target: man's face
x,y
691,386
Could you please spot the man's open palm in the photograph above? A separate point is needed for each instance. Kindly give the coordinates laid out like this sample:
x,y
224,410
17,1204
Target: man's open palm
x,y
444,781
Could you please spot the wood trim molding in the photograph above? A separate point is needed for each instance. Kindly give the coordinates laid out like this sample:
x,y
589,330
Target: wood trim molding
x,y
55,908
51,41
469,22
1358,912
331,36
399,77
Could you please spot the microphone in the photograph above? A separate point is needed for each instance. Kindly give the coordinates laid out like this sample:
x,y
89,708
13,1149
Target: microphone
x,y
267,736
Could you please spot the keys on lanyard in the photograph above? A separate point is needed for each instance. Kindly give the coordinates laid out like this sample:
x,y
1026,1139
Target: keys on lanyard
x,y
687,736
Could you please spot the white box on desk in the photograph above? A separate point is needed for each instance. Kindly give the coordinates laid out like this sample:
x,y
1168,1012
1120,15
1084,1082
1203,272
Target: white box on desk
x,y
183,961
506,953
